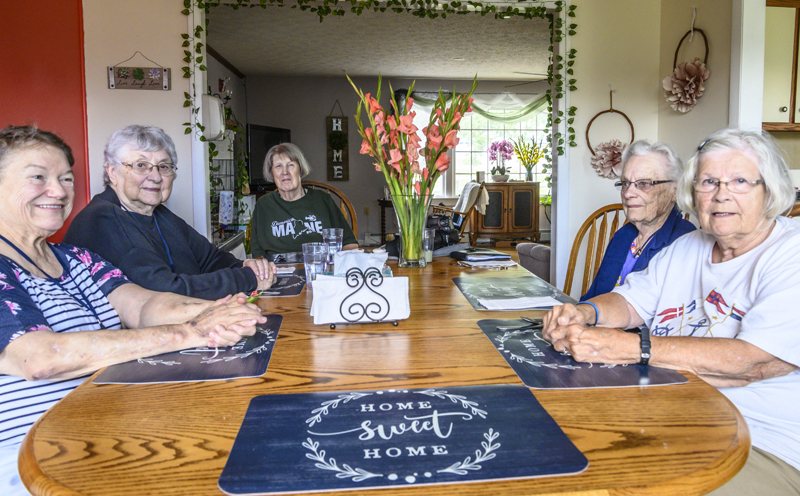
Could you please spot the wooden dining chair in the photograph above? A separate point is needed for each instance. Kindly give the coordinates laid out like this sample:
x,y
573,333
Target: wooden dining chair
x,y
340,200
795,211
466,215
600,227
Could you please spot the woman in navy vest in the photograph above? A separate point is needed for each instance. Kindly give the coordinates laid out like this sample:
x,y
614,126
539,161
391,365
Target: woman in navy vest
x,y
647,186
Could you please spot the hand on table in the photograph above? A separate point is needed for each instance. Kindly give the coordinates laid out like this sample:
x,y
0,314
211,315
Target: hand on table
x,y
226,321
264,270
560,316
595,344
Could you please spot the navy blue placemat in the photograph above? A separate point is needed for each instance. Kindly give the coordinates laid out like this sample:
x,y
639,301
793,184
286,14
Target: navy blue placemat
x,y
539,366
395,438
247,358
287,284
503,288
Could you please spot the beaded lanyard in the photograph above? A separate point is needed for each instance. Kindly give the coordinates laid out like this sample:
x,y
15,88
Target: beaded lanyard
x,y
82,300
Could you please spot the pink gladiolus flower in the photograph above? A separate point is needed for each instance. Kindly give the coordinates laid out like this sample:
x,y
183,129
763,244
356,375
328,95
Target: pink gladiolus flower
x,y
374,106
393,138
417,188
432,131
415,167
407,123
456,118
434,142
469,108
392,122
409,103
365,148
439,113
380,118
396,158
443,162
450,141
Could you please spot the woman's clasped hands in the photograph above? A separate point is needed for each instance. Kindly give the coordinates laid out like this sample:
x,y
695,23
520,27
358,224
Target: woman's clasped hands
x,y
225,322
566,328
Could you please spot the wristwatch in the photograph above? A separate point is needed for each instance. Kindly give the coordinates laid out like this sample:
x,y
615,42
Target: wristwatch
x,y
644,333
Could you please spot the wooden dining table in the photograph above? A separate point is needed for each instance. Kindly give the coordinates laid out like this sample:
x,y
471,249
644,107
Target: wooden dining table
x,y
174,439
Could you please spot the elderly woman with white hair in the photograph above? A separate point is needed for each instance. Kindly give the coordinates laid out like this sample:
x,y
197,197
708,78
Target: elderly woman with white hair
x,y
285,219
647,188
128,225
719,302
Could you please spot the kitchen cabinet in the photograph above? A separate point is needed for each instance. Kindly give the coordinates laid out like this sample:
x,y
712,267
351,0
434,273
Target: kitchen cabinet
x,y
512,212
781,110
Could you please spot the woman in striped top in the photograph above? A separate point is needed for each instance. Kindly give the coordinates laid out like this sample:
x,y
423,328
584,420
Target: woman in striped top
x,y
64,311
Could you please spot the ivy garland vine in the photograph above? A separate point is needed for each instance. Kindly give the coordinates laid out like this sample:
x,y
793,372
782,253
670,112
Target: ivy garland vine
x,y
559,29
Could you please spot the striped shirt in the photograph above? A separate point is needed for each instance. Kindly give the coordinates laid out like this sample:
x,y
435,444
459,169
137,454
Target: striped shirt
x,y
28,304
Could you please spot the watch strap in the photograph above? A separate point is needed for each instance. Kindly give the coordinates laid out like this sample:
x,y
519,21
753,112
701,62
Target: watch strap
x,y
644,333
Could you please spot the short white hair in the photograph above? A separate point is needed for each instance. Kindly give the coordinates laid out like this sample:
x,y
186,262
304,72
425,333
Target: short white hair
x,y
642,148
779,192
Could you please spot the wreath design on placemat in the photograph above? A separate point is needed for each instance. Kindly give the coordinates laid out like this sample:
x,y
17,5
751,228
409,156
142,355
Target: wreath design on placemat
x,y
607,157
685,84
357,474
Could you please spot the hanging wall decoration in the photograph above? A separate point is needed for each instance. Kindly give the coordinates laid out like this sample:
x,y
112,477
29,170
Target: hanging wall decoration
x,y
685,84
338,160
138,78
607,156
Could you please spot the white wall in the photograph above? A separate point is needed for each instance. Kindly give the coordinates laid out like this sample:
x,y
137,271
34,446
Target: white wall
x,y
686,131
113,31
617,43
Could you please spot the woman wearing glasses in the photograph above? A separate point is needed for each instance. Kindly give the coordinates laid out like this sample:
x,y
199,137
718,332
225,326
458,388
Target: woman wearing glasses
x,y
720,302
647,186
127,225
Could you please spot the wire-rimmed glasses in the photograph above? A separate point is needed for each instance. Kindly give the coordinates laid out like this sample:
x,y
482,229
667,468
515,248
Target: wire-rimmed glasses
x,y
142,168
738,185
641,185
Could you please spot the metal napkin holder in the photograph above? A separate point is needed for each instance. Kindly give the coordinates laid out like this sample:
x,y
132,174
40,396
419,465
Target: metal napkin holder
x,y
351,309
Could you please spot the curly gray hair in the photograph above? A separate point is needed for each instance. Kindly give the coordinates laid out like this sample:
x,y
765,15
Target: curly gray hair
x,y
139,138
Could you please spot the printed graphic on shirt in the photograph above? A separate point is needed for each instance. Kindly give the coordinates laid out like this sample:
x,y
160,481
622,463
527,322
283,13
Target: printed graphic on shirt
x,y
296,228
697,318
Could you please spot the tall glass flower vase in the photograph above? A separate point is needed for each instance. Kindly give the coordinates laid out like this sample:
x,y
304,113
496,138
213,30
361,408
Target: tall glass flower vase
x,y
529,175
412,213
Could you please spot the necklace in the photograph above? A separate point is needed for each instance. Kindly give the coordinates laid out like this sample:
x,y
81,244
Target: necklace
x,y
166,247
638,251
82,300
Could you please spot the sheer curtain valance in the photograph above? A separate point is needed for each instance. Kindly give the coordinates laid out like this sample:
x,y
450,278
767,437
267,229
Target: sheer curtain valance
x,y
505,108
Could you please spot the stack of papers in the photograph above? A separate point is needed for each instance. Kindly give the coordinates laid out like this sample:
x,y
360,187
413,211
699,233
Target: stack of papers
x,y
519,303
489,263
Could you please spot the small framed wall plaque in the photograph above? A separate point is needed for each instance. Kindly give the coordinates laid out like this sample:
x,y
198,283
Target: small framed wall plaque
x,y
338,160
139,78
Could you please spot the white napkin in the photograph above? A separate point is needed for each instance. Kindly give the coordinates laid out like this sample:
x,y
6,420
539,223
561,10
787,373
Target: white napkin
x,y
284,270
346,260
517,303
329,292
490,263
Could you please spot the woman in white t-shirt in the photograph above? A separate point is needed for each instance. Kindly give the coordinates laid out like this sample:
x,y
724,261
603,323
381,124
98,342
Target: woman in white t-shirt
x,y
736,280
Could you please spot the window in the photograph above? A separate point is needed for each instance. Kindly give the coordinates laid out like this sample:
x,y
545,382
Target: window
x,y
471,155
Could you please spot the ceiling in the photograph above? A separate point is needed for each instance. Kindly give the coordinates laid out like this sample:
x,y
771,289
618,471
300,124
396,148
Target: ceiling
x,y
290,42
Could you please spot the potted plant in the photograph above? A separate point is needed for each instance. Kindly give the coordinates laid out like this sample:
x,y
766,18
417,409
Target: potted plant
x,y
499,152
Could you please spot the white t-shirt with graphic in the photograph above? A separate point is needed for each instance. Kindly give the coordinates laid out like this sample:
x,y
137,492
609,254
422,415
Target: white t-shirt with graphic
x,y
753,297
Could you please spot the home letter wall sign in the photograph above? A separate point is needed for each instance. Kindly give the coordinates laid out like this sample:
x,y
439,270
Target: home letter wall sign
x,y
338,165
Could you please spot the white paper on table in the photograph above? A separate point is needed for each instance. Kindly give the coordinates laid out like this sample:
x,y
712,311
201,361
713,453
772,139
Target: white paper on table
x,y
284,270
490,263
519,303
329,292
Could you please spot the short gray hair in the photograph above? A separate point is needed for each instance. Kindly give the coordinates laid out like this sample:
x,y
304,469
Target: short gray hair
x,y
771,165
15,138
642,148
292,152
139,138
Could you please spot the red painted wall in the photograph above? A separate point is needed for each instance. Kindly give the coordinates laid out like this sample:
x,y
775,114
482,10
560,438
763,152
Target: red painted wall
x,y
41,63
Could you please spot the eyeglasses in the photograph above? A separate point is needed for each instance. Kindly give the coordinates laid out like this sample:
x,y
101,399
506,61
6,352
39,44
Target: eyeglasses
x,y
643,185
738,185
143,168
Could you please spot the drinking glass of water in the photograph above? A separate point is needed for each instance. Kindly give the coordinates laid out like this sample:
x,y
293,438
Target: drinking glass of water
x,y
332,237
314,257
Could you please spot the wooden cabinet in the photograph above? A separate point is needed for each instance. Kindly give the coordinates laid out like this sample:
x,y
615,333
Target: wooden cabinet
x,y
781,110
513,212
